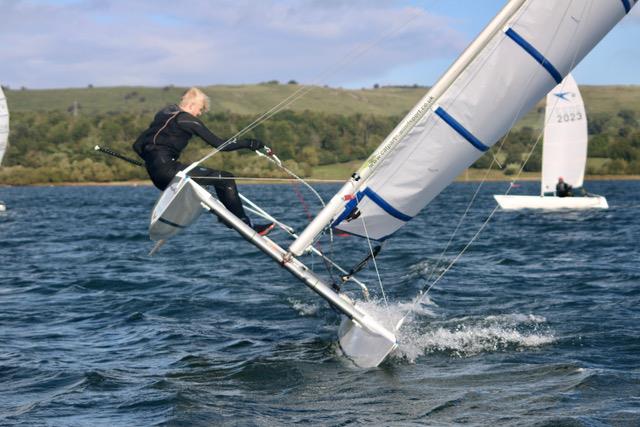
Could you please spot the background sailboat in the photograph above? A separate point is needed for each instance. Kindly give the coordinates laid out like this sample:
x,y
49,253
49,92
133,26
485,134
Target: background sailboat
x,y
564,154
4,132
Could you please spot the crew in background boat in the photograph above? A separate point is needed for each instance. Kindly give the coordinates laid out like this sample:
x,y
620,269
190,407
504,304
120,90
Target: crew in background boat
x,y
169,133
563,189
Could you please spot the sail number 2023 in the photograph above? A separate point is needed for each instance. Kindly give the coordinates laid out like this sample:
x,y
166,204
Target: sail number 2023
x,y
569,117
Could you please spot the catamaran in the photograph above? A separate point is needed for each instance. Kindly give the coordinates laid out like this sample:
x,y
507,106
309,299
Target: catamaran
x,y
4,133
526,50
564,155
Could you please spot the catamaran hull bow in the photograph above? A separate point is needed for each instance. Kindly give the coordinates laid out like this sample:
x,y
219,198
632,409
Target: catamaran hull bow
x,y
176,209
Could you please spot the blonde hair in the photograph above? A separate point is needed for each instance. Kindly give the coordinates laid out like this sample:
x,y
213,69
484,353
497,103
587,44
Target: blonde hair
x,y
194,95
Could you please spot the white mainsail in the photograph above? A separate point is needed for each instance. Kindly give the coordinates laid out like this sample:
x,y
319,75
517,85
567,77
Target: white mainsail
x,y
524,52
4,125
564,152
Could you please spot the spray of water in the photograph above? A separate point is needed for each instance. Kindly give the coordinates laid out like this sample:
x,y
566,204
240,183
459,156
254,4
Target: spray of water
x,y
472,335
302,308
426,332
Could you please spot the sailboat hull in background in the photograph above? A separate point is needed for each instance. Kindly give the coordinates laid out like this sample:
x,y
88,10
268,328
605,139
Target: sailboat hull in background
x,y
550,202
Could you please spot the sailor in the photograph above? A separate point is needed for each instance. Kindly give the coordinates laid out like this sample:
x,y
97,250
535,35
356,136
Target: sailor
x,y
169,133
563,189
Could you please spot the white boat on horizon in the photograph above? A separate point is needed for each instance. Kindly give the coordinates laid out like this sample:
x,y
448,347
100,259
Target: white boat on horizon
x,y
564,155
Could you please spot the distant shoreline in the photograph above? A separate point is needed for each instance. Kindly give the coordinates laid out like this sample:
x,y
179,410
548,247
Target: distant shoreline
x,y
147,183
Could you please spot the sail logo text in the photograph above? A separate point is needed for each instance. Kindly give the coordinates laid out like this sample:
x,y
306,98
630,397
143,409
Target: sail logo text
x,y
404,130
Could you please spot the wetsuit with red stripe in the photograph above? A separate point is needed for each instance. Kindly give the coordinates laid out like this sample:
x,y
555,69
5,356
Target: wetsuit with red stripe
x,y
160,147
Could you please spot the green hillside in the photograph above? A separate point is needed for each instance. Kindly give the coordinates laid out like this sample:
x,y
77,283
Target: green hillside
x,y
250,99
256,99
324,134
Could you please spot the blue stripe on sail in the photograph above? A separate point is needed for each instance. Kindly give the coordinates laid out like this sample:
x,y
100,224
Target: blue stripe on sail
x,y
347,209
460,129
173,224
375,198
535,54
627,6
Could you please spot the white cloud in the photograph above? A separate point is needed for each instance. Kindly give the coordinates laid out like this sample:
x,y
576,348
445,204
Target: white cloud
x,y
110,42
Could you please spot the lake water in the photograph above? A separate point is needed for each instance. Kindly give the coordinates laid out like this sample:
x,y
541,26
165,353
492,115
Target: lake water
x,y
536,324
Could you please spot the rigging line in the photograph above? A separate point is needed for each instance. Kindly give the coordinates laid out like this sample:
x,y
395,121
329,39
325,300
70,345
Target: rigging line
x,y
257,178
451,264
253,207
375,263
328,267
351,56
462,218
275,160
279,164
475,194
305,207
345,60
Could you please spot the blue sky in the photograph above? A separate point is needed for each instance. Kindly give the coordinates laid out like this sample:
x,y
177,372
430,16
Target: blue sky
x,y
348,43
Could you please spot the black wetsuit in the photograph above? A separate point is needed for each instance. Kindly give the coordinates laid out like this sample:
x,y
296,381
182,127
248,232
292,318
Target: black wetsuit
x,y
160,147
563,189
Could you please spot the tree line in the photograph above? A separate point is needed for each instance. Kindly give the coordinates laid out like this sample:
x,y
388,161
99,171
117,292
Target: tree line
x,y
56,146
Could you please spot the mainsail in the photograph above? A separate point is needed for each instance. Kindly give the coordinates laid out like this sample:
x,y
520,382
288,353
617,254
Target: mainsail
x,y
4,125
564,151
522,54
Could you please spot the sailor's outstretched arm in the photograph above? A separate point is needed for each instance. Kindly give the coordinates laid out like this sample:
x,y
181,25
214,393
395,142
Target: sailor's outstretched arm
x,y
195,126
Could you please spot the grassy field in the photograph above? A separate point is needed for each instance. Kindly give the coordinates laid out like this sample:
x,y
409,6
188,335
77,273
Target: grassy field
x,y
248,99
256,99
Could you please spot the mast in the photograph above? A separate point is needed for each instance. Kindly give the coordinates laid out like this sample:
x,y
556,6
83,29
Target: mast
x,y
351,187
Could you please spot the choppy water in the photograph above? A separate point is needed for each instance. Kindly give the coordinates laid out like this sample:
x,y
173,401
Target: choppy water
x,y
537,324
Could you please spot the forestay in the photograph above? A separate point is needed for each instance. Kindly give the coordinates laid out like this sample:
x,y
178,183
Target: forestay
x,y
523,53
564,153
4,124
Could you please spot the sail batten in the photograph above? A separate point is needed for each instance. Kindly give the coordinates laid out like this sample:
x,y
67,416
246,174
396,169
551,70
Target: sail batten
x,y
461,129
539,57
627,5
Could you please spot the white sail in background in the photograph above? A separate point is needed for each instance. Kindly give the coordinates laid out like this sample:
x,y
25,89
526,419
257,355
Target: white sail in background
x,y
564,152
523,53
4,125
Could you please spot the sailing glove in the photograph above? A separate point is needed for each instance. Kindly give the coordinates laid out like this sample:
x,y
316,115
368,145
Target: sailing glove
x,y
254,144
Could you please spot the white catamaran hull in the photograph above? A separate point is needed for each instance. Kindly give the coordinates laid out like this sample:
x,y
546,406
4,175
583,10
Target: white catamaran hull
x,y
175,210
362,338
550,202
